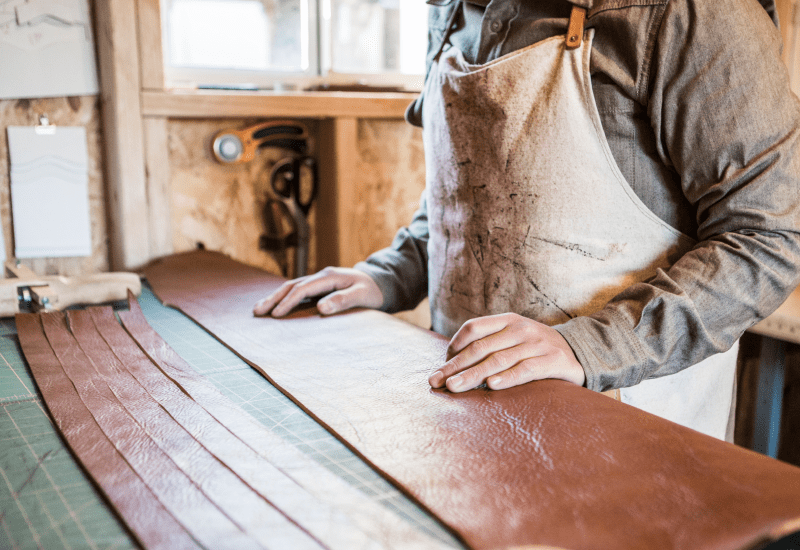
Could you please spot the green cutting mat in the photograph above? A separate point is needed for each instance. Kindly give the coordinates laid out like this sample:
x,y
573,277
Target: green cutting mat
x,y
46,501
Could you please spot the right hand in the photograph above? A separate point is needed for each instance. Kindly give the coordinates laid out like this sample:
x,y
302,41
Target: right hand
x,y
345,288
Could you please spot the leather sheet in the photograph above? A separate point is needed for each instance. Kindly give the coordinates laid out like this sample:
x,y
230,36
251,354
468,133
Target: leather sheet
x,y
547,463
150,523
172,426
228,480
324,505
182,495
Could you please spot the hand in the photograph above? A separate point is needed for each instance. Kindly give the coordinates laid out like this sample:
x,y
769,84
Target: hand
x,y
348,288
503,351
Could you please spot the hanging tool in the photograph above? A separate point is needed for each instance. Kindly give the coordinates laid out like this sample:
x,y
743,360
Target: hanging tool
x,y
295,200
23,290
240,146
292,198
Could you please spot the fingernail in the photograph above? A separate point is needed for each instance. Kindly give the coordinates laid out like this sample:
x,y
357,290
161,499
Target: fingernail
x,y
456,382
325,307
494,382
436,379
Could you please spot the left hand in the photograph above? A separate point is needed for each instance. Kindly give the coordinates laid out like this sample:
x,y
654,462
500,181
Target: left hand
x,y
503,351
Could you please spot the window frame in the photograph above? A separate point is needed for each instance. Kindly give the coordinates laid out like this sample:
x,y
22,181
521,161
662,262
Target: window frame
x,y
318,76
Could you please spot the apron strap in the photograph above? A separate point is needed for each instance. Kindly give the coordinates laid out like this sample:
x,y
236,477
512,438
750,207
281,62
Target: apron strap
x,y
448,31
575,30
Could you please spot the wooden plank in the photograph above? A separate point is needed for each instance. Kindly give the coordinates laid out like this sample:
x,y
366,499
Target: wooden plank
x,y
338,192
159,193
220,104
123,134
150,48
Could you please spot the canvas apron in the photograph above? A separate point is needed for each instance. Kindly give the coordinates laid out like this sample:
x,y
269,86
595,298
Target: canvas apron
x,y
529,213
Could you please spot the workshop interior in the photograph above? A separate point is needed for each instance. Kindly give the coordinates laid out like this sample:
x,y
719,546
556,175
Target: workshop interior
x,y
167,164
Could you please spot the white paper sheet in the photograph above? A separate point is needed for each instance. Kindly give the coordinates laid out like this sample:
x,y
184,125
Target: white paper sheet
x,y
46,49
49,192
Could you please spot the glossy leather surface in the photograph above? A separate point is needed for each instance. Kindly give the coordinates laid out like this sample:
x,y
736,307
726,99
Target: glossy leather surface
x,y
194,443
148,520
268,492
139,438
315,499
546,463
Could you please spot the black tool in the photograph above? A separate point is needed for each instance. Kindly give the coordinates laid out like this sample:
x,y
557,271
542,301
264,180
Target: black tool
x,y
292,198
295,200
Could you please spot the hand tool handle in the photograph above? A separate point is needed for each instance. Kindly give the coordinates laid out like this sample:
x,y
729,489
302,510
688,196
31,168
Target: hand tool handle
x,y
63,292
93,289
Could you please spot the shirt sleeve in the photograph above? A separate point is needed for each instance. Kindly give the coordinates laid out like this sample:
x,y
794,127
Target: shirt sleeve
x,y
726,121
401,270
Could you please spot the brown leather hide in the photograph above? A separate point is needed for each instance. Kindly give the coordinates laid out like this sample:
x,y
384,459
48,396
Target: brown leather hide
x,y
546,463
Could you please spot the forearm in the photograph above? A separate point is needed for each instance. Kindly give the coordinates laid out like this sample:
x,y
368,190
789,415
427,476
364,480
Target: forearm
x,y
695,309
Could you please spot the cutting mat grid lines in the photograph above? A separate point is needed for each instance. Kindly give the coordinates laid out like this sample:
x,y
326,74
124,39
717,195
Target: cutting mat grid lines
x,y
248,389
47,501
15,381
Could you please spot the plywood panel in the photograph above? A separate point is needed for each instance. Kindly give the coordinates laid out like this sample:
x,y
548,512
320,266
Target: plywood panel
x,y
390,164
72,111
220,206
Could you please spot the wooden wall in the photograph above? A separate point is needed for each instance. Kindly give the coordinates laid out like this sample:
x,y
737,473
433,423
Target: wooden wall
x,y
65,111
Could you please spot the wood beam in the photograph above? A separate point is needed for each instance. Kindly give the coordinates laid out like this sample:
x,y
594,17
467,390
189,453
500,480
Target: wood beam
x,y
118,54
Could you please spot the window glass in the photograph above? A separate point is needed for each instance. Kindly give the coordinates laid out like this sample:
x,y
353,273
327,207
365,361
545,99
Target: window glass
x,y
294,43
377,36
258,35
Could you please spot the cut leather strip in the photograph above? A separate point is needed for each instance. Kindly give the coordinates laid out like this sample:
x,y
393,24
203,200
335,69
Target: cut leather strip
x,y
577,20
545,463
150,523
202,518
172,426
331,524
322,503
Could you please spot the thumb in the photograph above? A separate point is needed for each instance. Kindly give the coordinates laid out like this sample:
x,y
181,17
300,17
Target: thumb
x,y
341,300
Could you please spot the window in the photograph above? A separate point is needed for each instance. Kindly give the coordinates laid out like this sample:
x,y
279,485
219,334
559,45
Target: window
x,y
294,44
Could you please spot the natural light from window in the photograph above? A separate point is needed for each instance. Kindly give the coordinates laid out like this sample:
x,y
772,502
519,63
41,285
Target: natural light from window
x,y
264,41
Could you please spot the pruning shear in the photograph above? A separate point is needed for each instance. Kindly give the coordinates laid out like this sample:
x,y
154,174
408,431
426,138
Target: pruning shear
x,y
294,199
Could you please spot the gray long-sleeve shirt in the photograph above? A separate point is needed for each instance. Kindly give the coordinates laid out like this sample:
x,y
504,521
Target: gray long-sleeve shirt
x,y
695,103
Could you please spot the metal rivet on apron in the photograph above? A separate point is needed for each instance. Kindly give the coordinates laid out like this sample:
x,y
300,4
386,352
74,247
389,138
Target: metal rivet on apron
x,y
496,25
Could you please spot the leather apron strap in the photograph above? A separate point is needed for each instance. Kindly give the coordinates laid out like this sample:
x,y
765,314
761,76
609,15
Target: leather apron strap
x,y
577,19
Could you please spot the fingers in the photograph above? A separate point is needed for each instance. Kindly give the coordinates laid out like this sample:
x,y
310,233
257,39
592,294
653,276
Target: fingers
x,y
264,306
306,287
475,329
291,293
504,351
350,288
350,297
471,373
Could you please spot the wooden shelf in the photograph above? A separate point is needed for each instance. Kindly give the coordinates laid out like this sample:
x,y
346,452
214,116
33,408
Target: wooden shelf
x,y
223,103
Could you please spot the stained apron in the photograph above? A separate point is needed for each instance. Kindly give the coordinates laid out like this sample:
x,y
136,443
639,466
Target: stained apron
x,y
528,212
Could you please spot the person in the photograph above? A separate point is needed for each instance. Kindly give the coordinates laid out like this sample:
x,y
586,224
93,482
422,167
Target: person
x,y
611,199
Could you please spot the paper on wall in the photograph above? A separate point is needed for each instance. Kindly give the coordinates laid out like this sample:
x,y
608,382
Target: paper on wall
x,y
49,192
46,49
